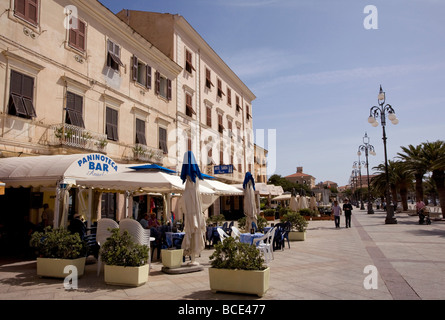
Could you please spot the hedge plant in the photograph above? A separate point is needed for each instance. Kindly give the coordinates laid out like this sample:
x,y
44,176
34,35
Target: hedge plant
x,y
121,250
231,254
58,244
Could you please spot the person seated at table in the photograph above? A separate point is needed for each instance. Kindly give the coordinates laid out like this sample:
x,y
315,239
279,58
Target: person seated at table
x,y
144,221
153,222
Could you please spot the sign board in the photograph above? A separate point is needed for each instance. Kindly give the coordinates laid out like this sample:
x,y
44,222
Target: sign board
x,y
223,169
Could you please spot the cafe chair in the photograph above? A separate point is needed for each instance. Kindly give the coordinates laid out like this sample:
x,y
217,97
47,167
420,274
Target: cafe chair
x,y
137,232
265,244
222,234
236,233
103,232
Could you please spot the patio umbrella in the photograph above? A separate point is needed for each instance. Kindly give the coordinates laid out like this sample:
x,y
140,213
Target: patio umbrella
x,y
313,203
293,201
250,208
194,221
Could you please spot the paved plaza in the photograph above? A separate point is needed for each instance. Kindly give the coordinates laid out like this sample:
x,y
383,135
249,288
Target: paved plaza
x,y
329,265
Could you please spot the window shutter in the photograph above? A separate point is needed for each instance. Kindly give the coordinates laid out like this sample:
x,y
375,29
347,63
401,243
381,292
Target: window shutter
x,y
169,89
134,68
229,96
81,34
158,82
32,10
148,77
111,126
19,7
209,116
16,82
140,132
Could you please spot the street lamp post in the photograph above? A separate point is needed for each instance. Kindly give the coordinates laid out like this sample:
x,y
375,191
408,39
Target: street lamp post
x,y
369,149
358,165
381,111
355,185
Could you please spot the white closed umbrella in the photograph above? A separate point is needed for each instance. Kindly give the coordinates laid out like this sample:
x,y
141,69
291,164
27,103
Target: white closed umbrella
x,y
194,221
293,202
250,208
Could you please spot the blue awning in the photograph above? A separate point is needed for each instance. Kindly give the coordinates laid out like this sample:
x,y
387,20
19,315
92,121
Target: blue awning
x,y
152,167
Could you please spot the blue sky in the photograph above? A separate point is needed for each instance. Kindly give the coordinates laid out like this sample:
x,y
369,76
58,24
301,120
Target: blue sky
x,y
316,71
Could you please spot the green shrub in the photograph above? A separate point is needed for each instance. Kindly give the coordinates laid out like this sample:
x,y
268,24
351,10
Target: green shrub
x,y
269,213
261,223
219,219
296,220
58,244
307,212
231,254
120,250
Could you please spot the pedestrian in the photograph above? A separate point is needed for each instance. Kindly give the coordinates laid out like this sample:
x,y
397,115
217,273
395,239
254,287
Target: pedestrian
x,y
347,208
336,210
47,216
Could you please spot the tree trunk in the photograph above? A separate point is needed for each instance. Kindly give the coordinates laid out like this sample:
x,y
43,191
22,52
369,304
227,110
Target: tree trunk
x,y
404,197
419,186
439,179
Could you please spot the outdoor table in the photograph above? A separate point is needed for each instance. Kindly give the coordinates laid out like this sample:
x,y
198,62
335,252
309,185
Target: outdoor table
x,y
248,237
169,236
266,229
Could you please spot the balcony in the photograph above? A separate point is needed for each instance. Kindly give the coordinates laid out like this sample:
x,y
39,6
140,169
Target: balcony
x,y
77,137
143,153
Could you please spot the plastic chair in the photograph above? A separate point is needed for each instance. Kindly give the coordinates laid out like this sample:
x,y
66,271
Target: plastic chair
x,y
236,233
102,234
265,244
222,234
137,232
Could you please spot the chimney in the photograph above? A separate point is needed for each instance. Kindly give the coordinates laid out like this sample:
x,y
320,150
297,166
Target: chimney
x,y
299,169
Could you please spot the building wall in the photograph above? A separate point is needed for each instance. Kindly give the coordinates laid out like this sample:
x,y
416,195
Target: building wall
x,y
159,28
43,53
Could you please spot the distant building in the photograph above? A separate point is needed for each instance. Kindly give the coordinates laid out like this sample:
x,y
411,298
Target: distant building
x,y
327,184
260,164
301,178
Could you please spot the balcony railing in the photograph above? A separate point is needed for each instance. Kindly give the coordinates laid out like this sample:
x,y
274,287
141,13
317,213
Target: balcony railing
x,y
77,137
144,153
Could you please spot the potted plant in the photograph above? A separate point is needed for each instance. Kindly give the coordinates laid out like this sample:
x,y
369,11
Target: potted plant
x,y
172,258
298,225
126,262
269,214
238,267
56,249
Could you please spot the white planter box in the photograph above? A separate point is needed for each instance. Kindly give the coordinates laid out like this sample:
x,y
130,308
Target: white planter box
x,y
172,258
239,281
297,236
54,268
126,276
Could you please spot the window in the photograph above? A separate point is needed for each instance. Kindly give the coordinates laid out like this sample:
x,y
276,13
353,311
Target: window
x,y
113,56
220,92
163,86
220,123
229,96
229,127
27,10
188,62
76,38
111,124
74,107
163,139
21,96
140,132
248,115
188,105
238,106
141,73
209,116
208,79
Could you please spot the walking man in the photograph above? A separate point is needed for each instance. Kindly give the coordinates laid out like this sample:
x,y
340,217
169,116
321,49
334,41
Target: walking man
x,y
347,208
336,210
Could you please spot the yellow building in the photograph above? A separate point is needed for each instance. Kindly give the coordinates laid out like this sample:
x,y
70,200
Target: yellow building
x,y
260,164
214,107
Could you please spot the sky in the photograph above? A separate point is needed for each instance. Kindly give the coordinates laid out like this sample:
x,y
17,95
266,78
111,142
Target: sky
x,y
316,66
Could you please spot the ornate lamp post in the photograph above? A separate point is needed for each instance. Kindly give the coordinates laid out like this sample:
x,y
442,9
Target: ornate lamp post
x,y
358,165
369,149
355,186
381,111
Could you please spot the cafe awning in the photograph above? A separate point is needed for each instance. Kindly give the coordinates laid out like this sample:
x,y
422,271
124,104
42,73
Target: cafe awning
x,y
46,171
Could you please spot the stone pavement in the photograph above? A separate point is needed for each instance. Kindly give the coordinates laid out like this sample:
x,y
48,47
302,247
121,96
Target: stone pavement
x,y
329,265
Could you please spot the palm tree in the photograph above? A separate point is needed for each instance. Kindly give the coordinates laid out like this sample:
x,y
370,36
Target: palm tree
x,y
378,182
416,164
434,156
403,180
430,190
